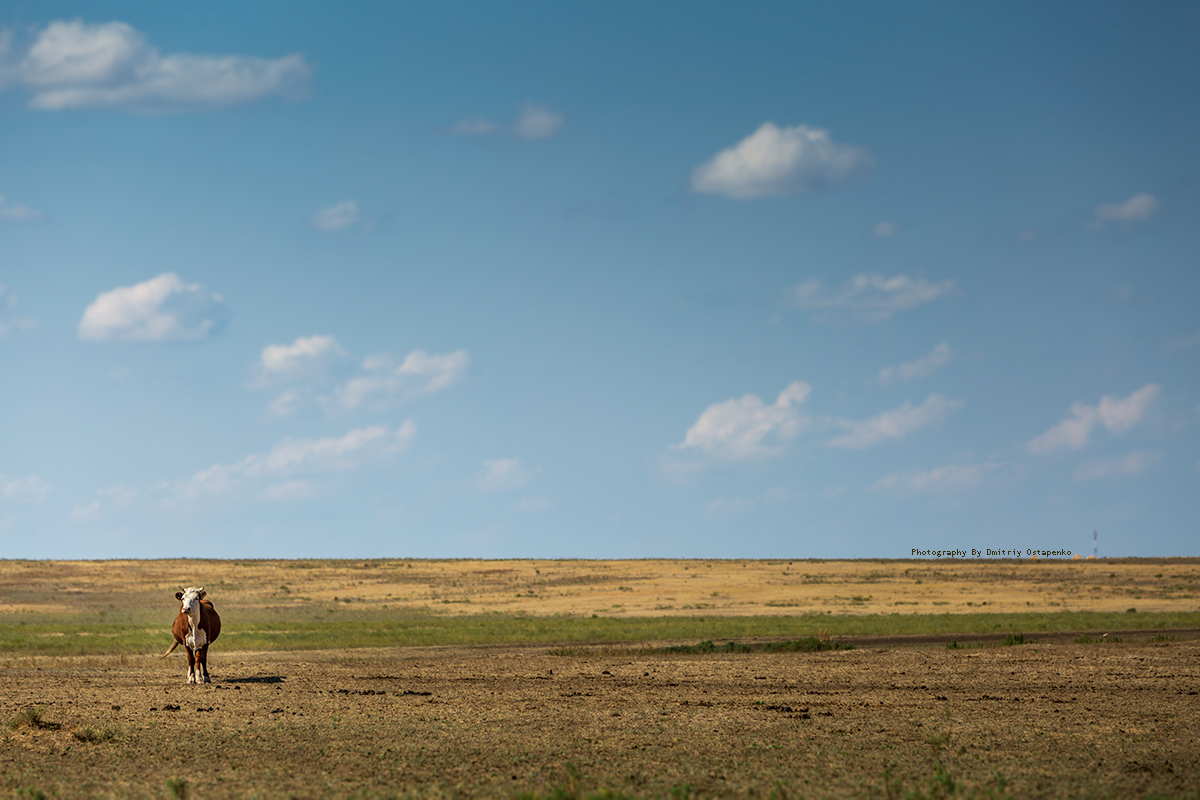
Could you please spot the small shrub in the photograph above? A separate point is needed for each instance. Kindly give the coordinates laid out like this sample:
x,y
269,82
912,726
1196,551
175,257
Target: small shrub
x,y
1014,638
1085,639
105,734
178,787
1158,637
1131,611
811,644
954,645
29,718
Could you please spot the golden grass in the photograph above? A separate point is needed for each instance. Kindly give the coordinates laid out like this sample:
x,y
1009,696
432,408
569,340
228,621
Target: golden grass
x,y
118,590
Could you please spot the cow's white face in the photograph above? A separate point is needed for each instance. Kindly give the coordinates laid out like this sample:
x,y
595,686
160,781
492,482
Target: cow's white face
x,y
189,600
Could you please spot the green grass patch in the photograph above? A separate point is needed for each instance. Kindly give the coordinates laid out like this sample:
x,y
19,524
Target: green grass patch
x,y
93,735
708,647
809,644
317,628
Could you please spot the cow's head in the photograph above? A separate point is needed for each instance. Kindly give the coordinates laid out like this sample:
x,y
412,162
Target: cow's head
x,y
189,599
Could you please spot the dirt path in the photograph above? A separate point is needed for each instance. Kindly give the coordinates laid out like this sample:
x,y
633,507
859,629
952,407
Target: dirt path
x,y
1054,718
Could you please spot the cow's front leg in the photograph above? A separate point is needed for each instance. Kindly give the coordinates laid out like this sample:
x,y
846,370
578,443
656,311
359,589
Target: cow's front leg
x,y
202,665
191,666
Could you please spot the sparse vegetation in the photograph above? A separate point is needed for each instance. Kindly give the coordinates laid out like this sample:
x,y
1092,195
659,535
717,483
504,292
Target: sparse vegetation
x,y
93,735
29,718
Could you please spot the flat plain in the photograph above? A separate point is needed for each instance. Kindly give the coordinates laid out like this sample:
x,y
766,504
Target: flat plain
x,y
399,678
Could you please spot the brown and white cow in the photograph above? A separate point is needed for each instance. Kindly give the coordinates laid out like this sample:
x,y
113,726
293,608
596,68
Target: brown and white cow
x,y
196,627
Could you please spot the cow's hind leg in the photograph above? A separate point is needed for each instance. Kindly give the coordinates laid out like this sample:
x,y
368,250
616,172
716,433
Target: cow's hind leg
x,y
191,678
202,665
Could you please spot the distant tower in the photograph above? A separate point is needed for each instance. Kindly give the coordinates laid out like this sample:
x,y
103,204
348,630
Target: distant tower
x,y
1094,551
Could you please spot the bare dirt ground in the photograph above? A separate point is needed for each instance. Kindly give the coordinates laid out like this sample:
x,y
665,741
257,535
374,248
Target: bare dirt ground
x,y
1054,718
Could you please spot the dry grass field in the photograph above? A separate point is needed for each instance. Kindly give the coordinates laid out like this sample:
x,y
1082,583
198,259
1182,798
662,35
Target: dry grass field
x,y
638,588
88,710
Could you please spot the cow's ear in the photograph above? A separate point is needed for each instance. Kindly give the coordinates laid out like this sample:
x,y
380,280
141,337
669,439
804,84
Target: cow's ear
x,y
179,595
201,595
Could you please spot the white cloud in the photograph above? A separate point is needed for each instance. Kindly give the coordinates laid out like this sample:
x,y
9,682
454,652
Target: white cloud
x,y
1115,415
869,297
884,229
732,506
745,429
9,321
119,495
919,368
893,425
1132,464
285,404
1178,343
474,127
24,490
775,161
162,309
535,122
1136,209
317,369
16,212
289,490
74,64
420,372
297,457
503,474
308,358
339,217
945,479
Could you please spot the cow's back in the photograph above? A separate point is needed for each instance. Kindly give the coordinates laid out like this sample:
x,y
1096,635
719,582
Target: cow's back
x,y
210,620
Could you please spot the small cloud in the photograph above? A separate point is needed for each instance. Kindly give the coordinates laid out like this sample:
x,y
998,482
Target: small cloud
x,y
318,369
1132,464
308,358
339,217
1178,343
893,425
778,161
74,64
119,496
1136,209
736,506
288,461
289,490
944,479
884,229
868,298
474,127
163,309
1115,415
503,474
24,490
16,212
420,372
922,367
285,404
536,122
745,429
9,321
533,504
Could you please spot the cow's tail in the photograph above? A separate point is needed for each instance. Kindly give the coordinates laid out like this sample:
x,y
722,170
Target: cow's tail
x,y
172,650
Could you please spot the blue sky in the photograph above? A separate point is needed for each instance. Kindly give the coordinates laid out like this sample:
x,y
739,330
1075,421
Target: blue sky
x,y
598,280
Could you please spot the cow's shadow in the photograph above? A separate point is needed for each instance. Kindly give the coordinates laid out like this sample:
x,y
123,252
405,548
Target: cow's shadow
x,y
255,679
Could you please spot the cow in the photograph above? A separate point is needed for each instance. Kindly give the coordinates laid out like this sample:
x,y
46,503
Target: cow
x,y
196,627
